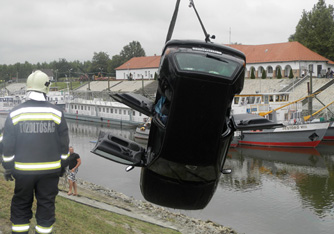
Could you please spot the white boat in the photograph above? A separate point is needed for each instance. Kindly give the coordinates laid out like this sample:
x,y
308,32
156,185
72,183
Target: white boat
x,y
329,136
97,110
278,108
299,135
143,131
59,98
8,102
286,111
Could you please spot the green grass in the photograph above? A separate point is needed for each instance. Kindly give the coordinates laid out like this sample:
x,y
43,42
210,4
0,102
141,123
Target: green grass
x,y
72,217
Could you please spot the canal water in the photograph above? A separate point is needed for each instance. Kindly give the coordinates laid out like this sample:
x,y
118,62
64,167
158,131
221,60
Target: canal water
x,y
269,191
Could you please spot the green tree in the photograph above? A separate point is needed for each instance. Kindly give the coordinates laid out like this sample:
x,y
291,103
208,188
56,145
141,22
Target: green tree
x,y
315,29
279,73
252,76
291,74
62,67
264,75
133,49
115,62
100,63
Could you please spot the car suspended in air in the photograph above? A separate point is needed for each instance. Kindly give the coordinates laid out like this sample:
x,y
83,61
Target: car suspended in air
x,y
191,127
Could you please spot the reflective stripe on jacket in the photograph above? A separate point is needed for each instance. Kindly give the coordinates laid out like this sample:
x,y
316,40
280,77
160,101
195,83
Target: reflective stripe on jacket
x,y
35,138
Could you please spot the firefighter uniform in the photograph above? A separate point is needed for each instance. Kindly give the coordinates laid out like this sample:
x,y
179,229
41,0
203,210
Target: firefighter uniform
x,y
35,148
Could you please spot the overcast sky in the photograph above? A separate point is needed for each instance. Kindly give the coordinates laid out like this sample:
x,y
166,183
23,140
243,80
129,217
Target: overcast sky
x,y
47,30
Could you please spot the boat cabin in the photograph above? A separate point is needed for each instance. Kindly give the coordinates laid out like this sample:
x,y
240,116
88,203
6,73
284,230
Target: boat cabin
x,y
268,102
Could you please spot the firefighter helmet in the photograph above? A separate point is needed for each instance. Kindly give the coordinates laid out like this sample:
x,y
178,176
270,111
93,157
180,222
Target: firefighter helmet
x,y
38,81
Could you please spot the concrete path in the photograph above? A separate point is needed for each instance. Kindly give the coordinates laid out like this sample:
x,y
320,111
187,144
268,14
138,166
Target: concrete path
x,y
107,207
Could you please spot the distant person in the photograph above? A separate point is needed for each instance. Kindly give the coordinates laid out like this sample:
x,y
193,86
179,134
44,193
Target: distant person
x,y
35,149
74,162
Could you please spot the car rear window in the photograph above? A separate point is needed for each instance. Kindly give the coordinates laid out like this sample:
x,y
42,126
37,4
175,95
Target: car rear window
x,y
212,64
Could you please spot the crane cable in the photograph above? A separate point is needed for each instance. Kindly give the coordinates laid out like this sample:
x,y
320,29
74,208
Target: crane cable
x,y
174,17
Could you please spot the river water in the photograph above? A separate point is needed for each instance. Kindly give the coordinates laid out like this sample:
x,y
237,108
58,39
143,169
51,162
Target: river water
x,y
269,191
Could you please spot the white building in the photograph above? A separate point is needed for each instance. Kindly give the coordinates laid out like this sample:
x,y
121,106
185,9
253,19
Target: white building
x,y
283,56
138,68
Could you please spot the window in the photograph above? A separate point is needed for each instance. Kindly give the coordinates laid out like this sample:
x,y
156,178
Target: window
x,y
103,109
111,110
124,112
133,113
115,111
212,64
250,100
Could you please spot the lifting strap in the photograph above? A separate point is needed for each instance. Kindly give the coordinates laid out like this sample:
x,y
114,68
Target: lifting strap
x,y
173,21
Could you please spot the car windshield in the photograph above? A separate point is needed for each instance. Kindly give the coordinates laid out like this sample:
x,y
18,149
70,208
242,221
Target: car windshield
x,y
206,63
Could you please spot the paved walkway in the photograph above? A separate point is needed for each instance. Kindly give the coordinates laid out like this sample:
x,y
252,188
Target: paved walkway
x,y
121,211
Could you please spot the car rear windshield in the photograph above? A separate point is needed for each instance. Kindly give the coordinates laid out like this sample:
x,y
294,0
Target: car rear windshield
x,y
206,63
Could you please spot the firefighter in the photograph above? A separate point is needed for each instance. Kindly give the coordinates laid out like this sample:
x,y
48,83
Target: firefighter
x,y
35,149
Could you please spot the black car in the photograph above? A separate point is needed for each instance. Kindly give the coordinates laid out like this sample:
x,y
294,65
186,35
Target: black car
x,y
191,126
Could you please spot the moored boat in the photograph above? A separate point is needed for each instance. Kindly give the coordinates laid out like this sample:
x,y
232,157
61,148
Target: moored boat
x,y
235,140
8,102
299,135
142,131
113,113
329,136
274,106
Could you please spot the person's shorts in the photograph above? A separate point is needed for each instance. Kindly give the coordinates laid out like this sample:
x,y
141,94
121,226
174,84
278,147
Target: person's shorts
x,y
71,175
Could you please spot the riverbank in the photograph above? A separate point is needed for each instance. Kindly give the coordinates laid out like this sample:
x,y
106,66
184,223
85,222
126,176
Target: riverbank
x,y
146,211
122,214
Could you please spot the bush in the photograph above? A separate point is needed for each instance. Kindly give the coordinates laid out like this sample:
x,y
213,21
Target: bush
x,y
291,74
279,74
264,75
252,76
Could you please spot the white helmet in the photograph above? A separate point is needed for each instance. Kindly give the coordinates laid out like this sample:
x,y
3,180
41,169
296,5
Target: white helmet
x,y
38,81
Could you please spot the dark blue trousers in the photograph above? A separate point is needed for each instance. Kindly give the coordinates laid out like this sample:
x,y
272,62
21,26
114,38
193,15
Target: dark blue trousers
x,y
45,188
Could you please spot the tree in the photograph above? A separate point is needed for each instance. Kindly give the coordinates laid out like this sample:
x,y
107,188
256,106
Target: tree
x,y
252,76
279,74
62,67
115,62
100,63
134,49
264,75
291,74
315,30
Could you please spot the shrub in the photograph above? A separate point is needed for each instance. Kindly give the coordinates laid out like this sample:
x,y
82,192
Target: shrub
x,y
252,76
264,75
291,74
279,74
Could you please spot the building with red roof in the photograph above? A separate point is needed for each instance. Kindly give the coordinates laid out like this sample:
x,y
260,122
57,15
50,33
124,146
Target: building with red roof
x,y
283,56
269,58
138,68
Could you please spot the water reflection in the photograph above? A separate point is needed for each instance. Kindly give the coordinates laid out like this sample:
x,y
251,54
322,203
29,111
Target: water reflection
x,y
79,128
307,171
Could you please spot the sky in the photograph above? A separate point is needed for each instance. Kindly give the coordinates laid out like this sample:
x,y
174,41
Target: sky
x,y
49,30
